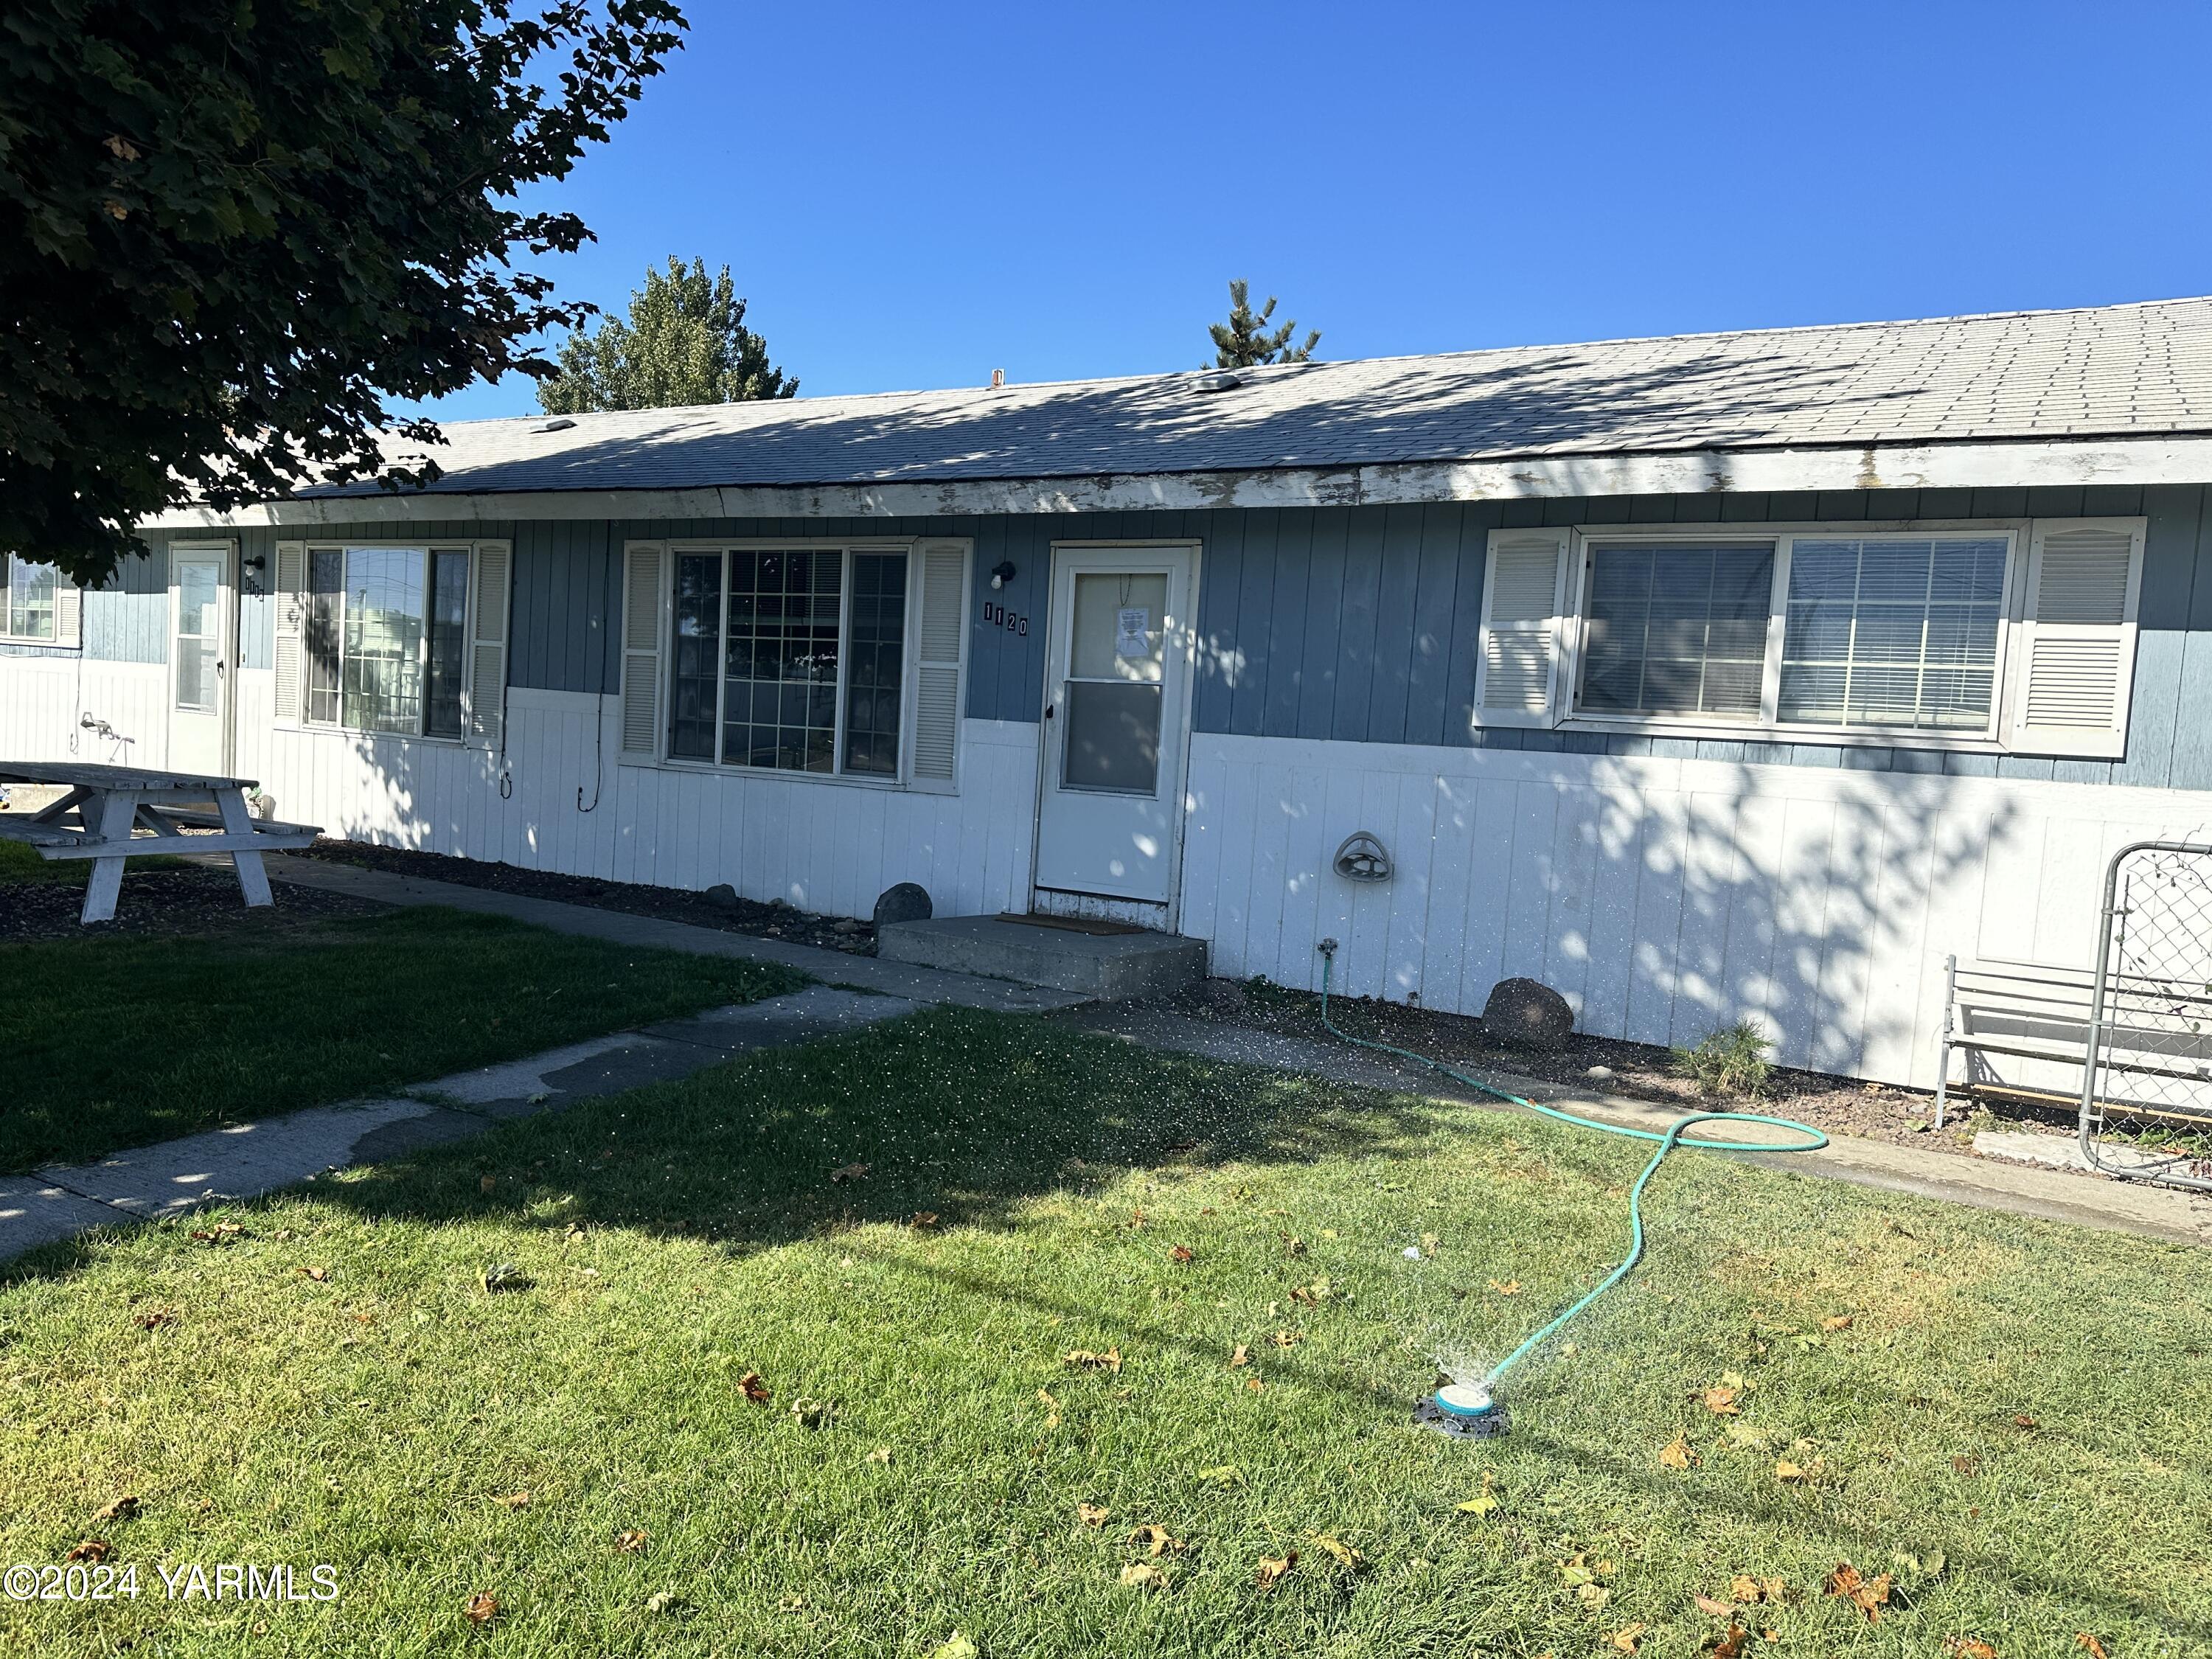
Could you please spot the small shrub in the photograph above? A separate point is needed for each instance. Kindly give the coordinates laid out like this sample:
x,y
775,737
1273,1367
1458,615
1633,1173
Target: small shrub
x,y
1729,1061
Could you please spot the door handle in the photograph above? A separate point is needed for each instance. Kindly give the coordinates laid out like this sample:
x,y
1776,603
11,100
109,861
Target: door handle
x,y
1048,711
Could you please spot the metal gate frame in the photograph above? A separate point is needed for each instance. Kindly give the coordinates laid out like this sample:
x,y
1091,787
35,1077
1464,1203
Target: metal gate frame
x,y
2150,1053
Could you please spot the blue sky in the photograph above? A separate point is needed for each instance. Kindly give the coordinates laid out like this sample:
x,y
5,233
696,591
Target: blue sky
x,y
912,196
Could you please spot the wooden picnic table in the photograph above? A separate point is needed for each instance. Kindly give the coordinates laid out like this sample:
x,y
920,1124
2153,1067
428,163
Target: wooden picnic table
x,y
112,813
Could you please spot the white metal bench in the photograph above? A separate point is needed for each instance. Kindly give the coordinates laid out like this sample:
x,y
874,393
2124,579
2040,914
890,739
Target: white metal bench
x,y
113,813
2042,1014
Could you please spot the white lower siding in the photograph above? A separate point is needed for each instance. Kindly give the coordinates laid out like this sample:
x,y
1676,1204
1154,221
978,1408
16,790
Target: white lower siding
x,y
43,701
824,845
1663,898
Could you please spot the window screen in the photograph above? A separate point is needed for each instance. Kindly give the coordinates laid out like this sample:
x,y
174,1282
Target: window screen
x,y
780,698
1672,629
325,600
449,615
1893,631
876,664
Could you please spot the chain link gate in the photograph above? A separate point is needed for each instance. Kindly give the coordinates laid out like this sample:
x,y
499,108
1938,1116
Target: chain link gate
x,y
2146,1087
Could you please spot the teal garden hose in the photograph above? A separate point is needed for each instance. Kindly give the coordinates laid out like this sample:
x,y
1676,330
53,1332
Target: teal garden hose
x,y
1471,1409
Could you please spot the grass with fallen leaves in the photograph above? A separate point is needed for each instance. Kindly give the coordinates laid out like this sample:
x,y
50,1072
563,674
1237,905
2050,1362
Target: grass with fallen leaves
x,y
891,1345
119,1041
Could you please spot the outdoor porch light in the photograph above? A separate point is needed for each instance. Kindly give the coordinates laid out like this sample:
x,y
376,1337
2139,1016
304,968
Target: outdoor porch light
x,y
1002,573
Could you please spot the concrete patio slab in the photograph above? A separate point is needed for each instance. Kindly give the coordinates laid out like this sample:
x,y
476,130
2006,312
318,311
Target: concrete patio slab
x,y
1111,966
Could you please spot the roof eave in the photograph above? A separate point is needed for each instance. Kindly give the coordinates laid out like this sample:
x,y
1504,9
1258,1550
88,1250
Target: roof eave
x,y
1949,465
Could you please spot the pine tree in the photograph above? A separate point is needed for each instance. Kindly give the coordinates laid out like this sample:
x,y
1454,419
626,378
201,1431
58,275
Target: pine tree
x,y
686,341
1245,341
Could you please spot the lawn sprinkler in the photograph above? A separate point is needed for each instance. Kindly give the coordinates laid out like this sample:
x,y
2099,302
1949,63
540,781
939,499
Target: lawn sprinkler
x,y
1469,1411
1464,1410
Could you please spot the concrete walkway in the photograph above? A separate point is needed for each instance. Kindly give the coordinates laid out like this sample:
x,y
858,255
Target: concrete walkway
x,y
174,1177
2051,1195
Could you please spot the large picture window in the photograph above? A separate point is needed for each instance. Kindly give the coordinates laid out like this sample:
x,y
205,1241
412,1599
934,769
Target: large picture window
x,y
1830,631
386,637
789,659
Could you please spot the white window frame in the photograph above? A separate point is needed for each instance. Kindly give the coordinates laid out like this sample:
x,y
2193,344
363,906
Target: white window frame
x,y
909,661
1769,727
7,586
441,544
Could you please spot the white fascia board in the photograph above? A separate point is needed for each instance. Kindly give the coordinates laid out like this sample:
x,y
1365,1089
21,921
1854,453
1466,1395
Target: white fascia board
x,y
2131,461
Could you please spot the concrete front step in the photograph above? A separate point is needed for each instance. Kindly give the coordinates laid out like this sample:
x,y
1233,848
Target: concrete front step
x,y
1111,967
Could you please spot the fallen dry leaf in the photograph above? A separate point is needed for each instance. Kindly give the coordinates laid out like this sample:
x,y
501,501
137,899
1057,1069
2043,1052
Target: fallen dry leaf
x,y
153,1319
1786,1470
121,1509
485,1183
1720,1400
1965,1463
93,1550
1729,1644
1836,1322
1748,1591
631,1540
514,1500
1715,1606
1428,1243
1506,1287
2025,1422
482,1608
1143,1575
753,1389
321,1275
1969,1647
1136,1221
923,1219
811,1414
1676,1454
1272,1568
1084,1360
1483,1502
1627,1635
1253,1383
1241,1355
1293,1245
791,1604
2089,1644
1867,1595
845,1172
1181,1253
881,1454
1052,1409
1092,1515
1339,1552
1286,1338
1152,1538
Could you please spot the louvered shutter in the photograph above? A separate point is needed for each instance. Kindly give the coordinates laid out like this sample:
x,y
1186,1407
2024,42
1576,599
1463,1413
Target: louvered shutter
x,y
69,612
1517,668
488,647
2076,650
941,645
290,653
643,564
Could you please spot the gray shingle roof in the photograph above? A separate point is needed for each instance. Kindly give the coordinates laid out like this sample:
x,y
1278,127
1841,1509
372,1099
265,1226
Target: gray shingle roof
x,y
2131,370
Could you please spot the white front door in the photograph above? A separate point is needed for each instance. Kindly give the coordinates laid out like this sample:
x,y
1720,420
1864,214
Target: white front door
x,y
203,612
1118,659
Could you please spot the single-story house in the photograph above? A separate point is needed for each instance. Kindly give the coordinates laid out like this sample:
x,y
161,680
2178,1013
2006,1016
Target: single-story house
x,y
1704,677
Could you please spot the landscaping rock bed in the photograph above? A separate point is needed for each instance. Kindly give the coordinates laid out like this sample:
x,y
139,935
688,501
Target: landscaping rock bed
x,y
199,900
718,907
1638,1070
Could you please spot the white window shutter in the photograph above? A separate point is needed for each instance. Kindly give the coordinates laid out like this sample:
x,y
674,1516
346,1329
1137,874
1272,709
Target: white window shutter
x,y
2076,650
487,648
1517,668
941,652
290,655
644,567
69,612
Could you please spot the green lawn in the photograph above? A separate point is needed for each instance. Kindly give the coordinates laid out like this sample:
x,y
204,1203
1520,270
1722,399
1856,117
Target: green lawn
x,y
2010,1425
118,1040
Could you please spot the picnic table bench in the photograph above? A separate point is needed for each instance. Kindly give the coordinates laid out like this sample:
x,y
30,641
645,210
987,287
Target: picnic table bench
x,y
112,813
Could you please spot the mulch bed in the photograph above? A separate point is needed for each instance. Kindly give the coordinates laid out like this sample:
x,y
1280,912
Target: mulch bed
x,y
187,901
775,920
1638,1070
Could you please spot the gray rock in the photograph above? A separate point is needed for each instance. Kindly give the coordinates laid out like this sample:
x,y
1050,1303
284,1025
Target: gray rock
x,y
1531,1014
1600,1074
723,894
908,902
847,925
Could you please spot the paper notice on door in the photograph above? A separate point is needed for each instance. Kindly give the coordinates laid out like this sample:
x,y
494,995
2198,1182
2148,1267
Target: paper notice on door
x,y
1131,623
